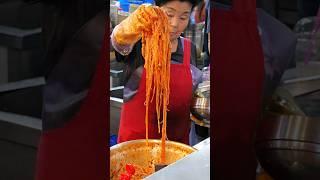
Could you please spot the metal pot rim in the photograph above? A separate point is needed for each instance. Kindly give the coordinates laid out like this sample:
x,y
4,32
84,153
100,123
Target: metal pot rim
x,y
153,141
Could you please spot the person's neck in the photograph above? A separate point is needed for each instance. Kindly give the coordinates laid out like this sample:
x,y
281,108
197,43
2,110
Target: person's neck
x,y
174,45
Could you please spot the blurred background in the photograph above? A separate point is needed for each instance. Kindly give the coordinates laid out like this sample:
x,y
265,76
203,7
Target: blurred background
x,y
21,80
23,67
33,34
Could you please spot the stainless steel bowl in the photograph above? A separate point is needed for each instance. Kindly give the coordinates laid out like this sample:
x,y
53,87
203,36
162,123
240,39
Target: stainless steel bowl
x,y
138,153
201,108
288,146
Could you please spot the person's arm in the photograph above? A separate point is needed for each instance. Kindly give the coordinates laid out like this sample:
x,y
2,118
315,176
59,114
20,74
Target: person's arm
x,y
129,31
124,49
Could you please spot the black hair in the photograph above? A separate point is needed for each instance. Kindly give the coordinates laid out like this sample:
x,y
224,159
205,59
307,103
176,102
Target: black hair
x,y
162,2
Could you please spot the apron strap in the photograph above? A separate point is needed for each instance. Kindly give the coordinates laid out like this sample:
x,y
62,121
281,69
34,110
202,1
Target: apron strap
x,y
186,51
248,6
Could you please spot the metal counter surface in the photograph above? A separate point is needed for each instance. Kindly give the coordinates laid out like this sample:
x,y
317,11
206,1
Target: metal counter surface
x,y
192,167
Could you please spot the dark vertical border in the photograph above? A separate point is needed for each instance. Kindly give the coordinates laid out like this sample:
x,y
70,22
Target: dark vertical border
x,y
107,53
211,91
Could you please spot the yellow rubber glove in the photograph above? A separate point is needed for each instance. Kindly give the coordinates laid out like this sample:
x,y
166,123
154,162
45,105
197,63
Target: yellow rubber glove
x,y
129,30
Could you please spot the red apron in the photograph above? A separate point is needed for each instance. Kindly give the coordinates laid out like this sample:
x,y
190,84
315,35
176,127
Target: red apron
x,y
79,150
238,75
132,123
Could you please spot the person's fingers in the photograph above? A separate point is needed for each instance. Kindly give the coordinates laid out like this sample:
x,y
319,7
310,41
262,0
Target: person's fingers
x,y
146,16
151,12
139,21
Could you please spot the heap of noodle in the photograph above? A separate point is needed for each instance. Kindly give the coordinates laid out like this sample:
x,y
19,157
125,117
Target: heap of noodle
x,y
156,50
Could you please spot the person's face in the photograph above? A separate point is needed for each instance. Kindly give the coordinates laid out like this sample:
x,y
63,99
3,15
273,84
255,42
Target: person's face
x,y
178,14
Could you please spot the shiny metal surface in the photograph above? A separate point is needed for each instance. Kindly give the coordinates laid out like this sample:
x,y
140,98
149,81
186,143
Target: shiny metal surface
x,y
288,146
277,127
192,167
200,105
200,108
203,88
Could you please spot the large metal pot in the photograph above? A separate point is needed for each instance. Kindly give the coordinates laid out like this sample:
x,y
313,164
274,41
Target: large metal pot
x,y
288,136
288,146
138,153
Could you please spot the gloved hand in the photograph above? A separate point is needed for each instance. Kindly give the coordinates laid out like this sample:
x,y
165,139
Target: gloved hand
x,y
129,30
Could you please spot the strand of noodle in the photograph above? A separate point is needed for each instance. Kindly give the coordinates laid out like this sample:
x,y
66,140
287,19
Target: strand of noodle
x,y
156,52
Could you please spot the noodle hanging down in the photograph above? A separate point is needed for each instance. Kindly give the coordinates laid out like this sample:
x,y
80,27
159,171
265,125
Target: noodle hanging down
x,y
156,50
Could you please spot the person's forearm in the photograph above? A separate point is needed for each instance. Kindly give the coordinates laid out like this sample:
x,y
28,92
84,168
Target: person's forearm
x,y
122,49
129,31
